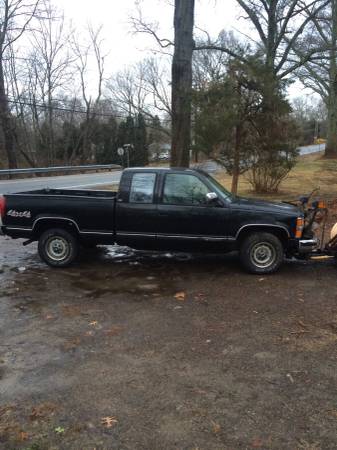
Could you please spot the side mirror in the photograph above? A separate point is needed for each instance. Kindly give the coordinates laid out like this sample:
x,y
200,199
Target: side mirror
x,y
211,197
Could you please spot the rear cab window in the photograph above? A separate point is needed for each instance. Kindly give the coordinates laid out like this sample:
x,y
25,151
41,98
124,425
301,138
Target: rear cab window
x,y
142,187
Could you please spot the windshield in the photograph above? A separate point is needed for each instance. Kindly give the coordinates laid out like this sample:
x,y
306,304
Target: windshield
x,y
218,188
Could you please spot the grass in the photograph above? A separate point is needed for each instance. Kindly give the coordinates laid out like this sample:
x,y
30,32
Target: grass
x,y
310,172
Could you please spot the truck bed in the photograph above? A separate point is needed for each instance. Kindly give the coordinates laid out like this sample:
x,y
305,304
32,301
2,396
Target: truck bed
x,y
92,213
69,193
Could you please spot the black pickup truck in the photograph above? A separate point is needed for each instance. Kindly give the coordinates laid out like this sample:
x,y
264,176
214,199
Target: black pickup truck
x,y
158,209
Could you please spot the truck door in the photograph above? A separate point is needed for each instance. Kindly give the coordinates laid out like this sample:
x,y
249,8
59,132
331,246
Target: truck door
x,y
186,218
136,210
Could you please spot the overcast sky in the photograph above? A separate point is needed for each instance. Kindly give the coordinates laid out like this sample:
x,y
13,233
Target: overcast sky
x,y
125,47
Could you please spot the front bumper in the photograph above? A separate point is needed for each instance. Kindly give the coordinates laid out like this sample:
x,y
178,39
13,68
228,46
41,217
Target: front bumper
x,y
307,245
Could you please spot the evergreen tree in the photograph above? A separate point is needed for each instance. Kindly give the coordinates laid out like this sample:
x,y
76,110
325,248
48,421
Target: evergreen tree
x,y
105,140
155,138
141,157
132,136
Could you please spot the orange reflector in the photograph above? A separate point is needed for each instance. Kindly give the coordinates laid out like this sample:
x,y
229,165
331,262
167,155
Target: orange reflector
x,y
299,227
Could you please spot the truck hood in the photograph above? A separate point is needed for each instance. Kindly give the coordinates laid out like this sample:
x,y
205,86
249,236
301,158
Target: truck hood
x,y
262,205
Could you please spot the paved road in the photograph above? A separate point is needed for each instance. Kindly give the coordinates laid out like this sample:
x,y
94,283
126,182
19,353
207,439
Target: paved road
x,y
306,150
91,180
69,181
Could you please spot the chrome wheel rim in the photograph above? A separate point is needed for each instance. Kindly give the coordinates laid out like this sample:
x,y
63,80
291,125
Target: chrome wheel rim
x,y
57,248
263,255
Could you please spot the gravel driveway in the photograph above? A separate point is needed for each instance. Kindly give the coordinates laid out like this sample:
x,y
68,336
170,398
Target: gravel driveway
x,y
145,351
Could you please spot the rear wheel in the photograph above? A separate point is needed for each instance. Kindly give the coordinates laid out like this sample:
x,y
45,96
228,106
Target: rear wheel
x,y
57,247
261,253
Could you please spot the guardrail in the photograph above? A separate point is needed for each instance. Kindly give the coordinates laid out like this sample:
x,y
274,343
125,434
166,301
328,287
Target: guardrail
x,y
36,170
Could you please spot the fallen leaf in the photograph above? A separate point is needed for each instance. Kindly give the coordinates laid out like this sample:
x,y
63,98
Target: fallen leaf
x,y
180,296
72,344
302,324
257,443
71,310
89,333
290,378
42,410
333,412
109,421
23,436
216,427
113,331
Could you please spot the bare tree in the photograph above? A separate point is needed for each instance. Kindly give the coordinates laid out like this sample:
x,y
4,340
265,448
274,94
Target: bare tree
x,y
279,25
84,53
211,66
15,19
127,91
142,88
52,60
16,76
321,75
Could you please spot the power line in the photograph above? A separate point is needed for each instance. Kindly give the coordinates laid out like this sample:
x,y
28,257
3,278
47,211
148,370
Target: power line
x,y
59,108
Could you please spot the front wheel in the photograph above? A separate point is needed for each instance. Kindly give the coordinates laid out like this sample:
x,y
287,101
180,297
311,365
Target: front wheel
x,y
261,253
57,247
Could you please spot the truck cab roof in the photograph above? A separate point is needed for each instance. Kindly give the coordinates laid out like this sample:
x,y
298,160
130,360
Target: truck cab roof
x,y
159,169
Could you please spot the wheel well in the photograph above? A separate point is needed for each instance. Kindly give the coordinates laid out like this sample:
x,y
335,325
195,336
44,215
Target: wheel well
x,y
43,225
276,231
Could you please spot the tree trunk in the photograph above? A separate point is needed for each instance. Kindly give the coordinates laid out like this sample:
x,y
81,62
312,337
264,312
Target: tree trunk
x,y
51,141
236,165
182,82
331,146
6,124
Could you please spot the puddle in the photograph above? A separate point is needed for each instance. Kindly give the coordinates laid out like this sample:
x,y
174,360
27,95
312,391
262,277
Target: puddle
x,y
115,269
105,270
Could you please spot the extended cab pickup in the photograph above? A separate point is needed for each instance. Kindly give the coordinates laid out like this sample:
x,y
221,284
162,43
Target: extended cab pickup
x,y
159,209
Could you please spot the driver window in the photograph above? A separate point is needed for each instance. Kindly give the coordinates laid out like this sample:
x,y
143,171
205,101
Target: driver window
x,y
183,189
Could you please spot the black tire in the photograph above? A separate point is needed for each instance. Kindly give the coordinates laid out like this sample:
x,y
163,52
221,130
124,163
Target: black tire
x,y
57,247
261,253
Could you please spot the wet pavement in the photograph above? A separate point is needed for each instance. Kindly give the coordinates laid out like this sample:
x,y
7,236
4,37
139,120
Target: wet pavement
x,y
139,350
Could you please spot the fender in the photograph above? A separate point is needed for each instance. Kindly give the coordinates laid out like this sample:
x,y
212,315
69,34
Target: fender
x,y
264,225
66,219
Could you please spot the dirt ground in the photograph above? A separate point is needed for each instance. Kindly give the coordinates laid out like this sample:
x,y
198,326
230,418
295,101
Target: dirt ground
x,y
139,350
